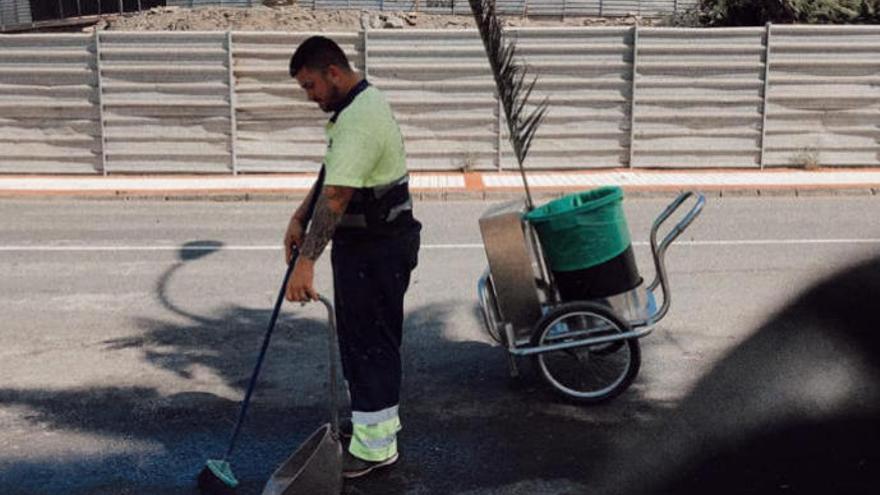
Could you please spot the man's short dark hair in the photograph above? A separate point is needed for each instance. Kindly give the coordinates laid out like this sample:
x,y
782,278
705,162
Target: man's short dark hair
x,y
318,53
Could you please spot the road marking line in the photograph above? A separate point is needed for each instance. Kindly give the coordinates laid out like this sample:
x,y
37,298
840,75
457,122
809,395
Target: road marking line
x,y
732,242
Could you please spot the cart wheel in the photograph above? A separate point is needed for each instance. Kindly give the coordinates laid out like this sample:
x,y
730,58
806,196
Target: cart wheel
x,y
491,318
588,373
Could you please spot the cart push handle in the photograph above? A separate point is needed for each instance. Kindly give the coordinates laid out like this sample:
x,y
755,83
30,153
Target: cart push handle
x,y
659,251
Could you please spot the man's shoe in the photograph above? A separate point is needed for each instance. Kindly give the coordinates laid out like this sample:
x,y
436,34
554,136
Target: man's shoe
x,y
353,467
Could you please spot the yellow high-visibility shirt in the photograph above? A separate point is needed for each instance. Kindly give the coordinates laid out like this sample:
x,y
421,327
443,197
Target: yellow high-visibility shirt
x,y
364,144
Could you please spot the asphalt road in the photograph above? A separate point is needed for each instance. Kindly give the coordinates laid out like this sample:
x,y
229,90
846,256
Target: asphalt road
x,y
128,331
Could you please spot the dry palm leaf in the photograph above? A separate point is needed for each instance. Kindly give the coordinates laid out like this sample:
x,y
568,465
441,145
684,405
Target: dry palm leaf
x,y
510,81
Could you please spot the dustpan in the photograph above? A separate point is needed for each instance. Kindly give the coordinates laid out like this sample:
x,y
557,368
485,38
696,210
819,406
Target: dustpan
x,y
315,468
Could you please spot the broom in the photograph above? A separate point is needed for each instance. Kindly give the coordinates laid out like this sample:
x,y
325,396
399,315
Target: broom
x,y
217,478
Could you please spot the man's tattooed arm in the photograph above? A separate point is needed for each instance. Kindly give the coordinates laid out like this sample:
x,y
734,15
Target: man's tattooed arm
x,y
328,211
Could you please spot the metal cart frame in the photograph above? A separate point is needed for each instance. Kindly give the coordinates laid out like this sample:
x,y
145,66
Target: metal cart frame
x,y
522,310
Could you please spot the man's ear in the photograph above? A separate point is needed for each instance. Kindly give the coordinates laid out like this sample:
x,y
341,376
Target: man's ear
x,y
333,73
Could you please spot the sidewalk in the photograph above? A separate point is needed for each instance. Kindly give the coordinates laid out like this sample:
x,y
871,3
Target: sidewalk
x,y
454,185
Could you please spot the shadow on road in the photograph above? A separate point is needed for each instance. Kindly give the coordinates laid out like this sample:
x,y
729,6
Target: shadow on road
x,y
794,409
466,429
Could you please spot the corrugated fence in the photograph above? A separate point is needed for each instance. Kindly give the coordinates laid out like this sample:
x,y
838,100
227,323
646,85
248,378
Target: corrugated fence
x,y
619,97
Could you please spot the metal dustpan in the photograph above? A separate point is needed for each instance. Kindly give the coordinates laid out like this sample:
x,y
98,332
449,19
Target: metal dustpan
x,y
315,468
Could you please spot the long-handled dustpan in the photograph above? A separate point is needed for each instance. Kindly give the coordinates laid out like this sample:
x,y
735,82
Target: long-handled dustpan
x,y
315,468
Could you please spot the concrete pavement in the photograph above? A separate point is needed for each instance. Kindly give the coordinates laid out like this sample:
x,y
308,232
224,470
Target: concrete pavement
x,y
456,185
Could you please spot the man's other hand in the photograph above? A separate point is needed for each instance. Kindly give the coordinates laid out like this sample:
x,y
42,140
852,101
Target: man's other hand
x,y
300,286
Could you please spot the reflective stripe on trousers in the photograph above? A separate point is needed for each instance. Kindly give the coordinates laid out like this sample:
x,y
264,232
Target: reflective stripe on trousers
x,y
374,436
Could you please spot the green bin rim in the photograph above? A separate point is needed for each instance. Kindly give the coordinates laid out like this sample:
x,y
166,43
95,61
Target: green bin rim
x,y
604,195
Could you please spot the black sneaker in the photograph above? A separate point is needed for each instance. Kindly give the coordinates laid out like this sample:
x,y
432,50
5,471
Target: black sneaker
x,y
353,467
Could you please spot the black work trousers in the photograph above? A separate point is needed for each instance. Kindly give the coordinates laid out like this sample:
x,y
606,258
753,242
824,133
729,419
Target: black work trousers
x,y
370,280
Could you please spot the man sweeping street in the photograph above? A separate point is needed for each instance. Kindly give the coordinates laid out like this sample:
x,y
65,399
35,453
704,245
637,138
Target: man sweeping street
x,y
363,204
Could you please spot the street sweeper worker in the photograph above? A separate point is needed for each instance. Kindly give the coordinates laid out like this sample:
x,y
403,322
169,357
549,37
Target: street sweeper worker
x,y
363,205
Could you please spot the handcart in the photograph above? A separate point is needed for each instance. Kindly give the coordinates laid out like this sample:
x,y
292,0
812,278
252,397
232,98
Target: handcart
x,y
587,350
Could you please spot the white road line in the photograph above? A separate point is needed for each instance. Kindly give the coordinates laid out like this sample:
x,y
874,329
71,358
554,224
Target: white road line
x,y
765,242
732,242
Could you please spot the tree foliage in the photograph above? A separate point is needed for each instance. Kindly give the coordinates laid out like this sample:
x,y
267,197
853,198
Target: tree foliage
x,y
760,12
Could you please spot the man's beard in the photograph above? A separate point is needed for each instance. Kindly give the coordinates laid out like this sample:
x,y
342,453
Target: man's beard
x,y
334,100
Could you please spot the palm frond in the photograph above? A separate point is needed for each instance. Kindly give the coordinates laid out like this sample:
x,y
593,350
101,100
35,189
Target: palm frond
x,y
510,81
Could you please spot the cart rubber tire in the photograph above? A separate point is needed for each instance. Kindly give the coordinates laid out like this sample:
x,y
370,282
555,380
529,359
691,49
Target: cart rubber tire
x,y
491,318
599,373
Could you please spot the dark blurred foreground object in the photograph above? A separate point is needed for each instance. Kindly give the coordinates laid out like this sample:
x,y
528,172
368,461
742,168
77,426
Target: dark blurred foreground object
x,y
795,409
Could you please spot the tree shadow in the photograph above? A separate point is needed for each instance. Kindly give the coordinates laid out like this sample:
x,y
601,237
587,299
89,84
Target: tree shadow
x,y
460,413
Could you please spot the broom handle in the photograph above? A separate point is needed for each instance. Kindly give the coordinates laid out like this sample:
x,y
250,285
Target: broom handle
x,y
316,191
256,373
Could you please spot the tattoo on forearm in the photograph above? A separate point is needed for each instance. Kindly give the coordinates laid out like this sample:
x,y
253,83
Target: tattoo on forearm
x,y
323,225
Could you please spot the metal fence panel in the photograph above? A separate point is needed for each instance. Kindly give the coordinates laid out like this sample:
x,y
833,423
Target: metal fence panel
x,y
505,7
14,12
400,5
48,118
166,103
585,74
698,97
442,92
545,7
277,129
824,97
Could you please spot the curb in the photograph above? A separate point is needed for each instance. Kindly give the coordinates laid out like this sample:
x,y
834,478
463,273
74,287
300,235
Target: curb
x,y
453,186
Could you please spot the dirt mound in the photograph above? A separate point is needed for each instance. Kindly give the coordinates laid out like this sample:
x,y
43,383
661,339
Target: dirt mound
x,y
296,18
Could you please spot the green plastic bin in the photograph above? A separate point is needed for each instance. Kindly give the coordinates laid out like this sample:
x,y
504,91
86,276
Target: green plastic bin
x,y
586,241
582,230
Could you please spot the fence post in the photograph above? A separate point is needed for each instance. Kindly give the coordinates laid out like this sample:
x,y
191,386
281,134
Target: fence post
x,y
632,94
499,113
233,122
100,89
766,93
